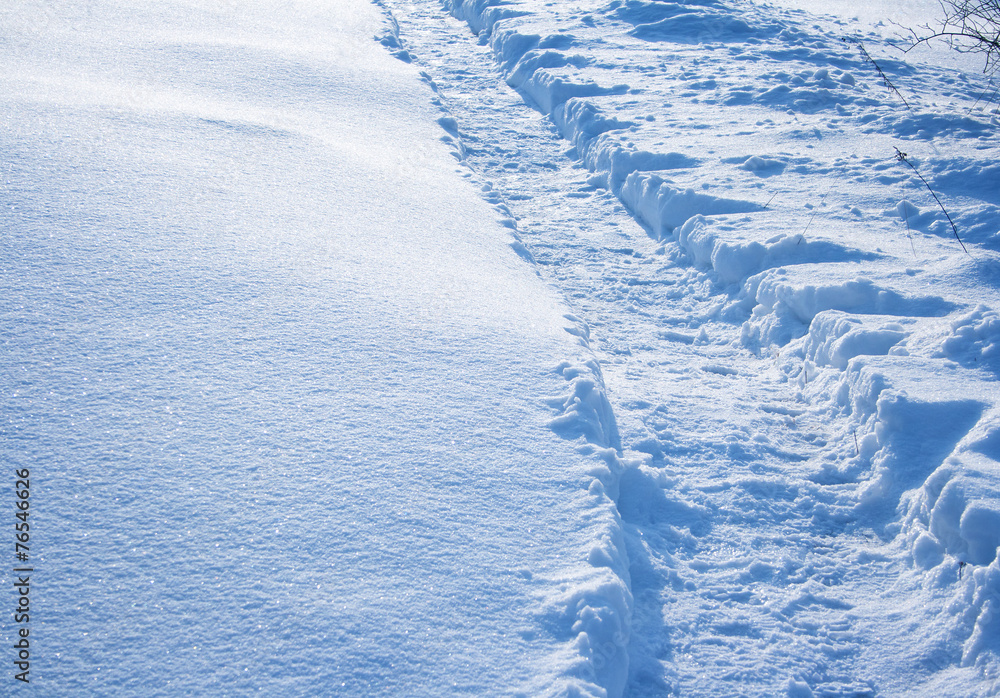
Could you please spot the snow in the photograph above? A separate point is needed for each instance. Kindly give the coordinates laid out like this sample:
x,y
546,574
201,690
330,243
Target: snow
x,y
282,385
592,348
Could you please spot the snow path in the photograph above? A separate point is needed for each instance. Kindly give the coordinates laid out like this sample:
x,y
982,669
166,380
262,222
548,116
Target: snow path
x,y
298,419
766,451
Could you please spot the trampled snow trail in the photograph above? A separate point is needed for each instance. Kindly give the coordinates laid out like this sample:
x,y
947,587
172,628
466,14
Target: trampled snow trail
x,y
298,419
801,359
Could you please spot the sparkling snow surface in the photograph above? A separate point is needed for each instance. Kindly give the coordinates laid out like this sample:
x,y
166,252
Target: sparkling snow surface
x,y
283,386
587,348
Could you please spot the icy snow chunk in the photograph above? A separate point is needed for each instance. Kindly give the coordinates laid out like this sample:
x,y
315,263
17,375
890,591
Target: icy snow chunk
x,y
533,61
979,528
549,90
960,506
449,124
916,436
732,262
585,412
510,45
763,167
987,443
580,121
481,15
735,252
619,163
985,605
557,41
927,551
789,298
664,207
835,337
923,411
974,339
906,210
798,689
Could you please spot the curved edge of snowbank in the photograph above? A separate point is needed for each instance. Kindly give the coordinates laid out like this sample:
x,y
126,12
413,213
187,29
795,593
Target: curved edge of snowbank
x,y
594,600
590,607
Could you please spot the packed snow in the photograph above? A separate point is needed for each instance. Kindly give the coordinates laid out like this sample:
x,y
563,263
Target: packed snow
x,y
423,347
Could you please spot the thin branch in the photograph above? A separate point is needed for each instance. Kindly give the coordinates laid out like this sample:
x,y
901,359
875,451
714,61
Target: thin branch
x,y
980,98
967,26
814,212
867,57
901,157
909,236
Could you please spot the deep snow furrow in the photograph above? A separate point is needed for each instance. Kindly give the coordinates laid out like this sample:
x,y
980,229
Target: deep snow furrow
x,y
776,516
588,604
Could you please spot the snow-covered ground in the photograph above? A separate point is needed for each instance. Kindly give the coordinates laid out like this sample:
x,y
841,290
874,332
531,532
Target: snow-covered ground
x,y
284,389
542,348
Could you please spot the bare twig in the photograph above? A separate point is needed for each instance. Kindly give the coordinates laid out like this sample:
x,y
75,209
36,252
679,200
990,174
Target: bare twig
x,y
909,236
810,221
901,156
878,70
968,26
993,97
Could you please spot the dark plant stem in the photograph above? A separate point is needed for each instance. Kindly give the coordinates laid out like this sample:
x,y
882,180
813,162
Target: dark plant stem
x,y
901,156
878,69
810,221
909,236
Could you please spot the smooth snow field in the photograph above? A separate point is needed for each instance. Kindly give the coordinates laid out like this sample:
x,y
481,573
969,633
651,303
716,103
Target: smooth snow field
x,y
497,348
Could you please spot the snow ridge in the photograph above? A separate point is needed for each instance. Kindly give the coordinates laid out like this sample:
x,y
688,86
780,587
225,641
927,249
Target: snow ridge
x,y
598,606
592,606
